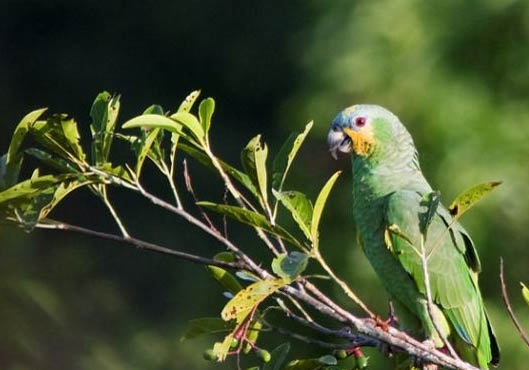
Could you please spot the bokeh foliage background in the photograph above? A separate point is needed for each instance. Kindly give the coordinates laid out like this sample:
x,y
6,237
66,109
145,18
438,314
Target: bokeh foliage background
x,y
456,73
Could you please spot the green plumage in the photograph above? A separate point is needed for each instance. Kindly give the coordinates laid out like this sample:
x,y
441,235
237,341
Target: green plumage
x,y
388,194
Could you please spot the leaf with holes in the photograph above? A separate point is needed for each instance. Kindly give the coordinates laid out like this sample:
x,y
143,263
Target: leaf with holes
x,y
253,158
240,306
469,198
318,208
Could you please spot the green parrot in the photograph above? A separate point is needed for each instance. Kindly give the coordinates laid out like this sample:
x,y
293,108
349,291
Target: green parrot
x,y
389,191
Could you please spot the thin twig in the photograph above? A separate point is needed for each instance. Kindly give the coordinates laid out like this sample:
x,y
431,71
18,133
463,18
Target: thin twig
x,y
429,301
57,225
505,297
342,284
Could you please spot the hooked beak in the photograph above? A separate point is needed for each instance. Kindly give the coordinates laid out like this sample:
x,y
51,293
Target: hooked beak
x,y
339,140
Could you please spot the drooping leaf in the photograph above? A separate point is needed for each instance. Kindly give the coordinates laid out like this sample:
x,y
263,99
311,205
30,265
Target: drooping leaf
x,y
318,208
190,122
201,157
30,187
467,199
50,134
279,355
430,201
205,325
205,112
144,148
300,208
328,360
242,304
154,121
525,293
21,131
290,266
253,158
250,218
188,102
285,157
226,279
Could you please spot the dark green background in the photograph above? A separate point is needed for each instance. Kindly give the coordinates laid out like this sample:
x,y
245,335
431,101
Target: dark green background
x,y
456,73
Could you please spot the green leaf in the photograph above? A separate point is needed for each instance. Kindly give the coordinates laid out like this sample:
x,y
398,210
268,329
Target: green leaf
x,y
104,114
33,186
205,112
253,158
286,156
154,121
57,163
201,157
467,199
144,149
300,208
190,122
242,304
187,104
71,133
290,266
205,325
253,334
305,364
279,355
318,208
248,217
226,279
431,202
525,293
11,162
328,360
221,349
20,133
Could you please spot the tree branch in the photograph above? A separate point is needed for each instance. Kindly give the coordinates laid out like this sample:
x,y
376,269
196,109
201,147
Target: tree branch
x,y
57,225
505,297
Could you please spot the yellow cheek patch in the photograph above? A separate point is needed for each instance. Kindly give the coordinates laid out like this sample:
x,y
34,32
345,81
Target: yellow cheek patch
x,y
362,141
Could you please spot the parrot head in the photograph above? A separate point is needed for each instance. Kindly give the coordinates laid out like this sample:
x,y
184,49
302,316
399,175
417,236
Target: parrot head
x,y
361,129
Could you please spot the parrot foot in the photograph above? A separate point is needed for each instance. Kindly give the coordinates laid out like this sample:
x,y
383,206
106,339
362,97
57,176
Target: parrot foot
x,y
392,320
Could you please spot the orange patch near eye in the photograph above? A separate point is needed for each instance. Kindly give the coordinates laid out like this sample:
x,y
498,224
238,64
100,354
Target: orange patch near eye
x,y
362,141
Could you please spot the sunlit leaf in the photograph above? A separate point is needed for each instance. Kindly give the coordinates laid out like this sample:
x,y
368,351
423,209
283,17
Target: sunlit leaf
x,y
291,265
285,157
525,293
299,206
467,199
253,158
190,122
242,304
205,112
430,201
328,360
250,218
205,325
221,349
104,113
154,121
188,102
201,157
318,208
305,364
71,133
279,355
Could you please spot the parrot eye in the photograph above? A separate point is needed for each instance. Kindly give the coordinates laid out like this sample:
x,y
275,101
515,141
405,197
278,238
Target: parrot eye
x,y
360,121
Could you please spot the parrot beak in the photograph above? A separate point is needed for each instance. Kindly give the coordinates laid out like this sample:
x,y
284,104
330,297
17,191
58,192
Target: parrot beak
x,y
338,141
362,141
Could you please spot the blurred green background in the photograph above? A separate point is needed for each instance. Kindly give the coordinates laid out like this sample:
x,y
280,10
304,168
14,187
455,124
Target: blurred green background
x,y
456,73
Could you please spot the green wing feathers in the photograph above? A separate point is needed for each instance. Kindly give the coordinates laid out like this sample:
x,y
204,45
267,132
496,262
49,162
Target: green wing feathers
x,y
453,265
